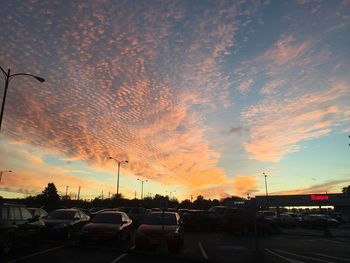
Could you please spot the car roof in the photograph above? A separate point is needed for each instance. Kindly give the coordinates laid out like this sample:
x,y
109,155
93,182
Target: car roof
x,y
67,209
165,212
111,212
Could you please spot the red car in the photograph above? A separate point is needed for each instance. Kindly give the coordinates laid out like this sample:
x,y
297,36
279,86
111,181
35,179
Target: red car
x,y
107,226
160,227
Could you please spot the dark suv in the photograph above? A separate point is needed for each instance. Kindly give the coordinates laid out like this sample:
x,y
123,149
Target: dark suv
x,y
17,225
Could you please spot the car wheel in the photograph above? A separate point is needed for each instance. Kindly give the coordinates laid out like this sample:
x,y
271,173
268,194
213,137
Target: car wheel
x,y
7,244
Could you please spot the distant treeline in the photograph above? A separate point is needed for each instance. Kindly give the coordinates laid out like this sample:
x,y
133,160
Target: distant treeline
x,y
49,200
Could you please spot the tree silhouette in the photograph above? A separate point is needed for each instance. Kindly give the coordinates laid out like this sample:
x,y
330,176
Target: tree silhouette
x,y
49,196
346,190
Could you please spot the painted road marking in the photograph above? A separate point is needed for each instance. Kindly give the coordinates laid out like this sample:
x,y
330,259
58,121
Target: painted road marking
x,y
35,254
327,256
305,257
204,254
283,257
119,258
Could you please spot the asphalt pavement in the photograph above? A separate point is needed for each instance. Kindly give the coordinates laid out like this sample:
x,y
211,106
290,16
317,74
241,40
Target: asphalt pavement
x,y
198,247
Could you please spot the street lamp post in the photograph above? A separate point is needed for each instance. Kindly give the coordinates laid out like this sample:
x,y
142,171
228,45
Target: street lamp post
x,y
142,181
265,175
8,76
2,172
119,163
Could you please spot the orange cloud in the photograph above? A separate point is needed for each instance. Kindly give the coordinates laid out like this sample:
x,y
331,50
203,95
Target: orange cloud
x,y
245,184
278,126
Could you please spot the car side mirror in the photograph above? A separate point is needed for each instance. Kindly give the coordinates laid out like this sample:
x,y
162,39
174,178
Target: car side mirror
x,y
76,218
124,222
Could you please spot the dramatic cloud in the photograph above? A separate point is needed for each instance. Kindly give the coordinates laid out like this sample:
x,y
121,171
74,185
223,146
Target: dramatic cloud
x,y
278,126
331,186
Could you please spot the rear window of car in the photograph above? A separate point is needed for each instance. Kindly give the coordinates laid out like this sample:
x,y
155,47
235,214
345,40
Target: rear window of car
x,y
62,215
108,218
161,219
26,215
4,213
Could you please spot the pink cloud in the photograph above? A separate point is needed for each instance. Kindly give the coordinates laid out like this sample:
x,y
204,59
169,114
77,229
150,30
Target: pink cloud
x,y
277,126
286,50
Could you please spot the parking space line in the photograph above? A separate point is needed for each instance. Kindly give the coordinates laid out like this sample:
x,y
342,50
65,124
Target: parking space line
x,y
133,247
35,254
327,256
119,258
305,257
204,254
284,258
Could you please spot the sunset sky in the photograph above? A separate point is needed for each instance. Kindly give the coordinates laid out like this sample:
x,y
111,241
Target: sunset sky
x,y
201,97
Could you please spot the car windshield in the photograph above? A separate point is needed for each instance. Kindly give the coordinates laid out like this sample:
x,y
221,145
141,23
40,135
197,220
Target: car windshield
x,y
160,219
32,210
107,218
61,215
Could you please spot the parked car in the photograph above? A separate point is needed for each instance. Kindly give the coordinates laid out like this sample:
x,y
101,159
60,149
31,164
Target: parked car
x,y
298,217
314,221
200,220
137,214
267,214
93,214
65,223
110,225
219,210
286,220
243,220
17,226
338,216
161,227
38,212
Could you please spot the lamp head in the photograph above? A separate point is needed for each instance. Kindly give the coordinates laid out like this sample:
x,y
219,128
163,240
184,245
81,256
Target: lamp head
x,y
40,79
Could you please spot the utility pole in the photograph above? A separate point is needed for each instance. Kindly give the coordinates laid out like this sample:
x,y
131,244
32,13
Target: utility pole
x,y
78,193
191,198
142,181
135,195
109,194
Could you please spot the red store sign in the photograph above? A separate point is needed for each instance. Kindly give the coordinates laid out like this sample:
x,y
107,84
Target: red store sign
x,y
319,197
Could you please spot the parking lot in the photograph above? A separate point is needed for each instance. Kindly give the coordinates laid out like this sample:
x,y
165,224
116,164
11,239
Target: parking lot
x,y
203,247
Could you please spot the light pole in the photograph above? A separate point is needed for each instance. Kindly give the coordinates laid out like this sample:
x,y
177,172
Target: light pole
x,y
119,163
265,175
8,76
2,172
142,181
